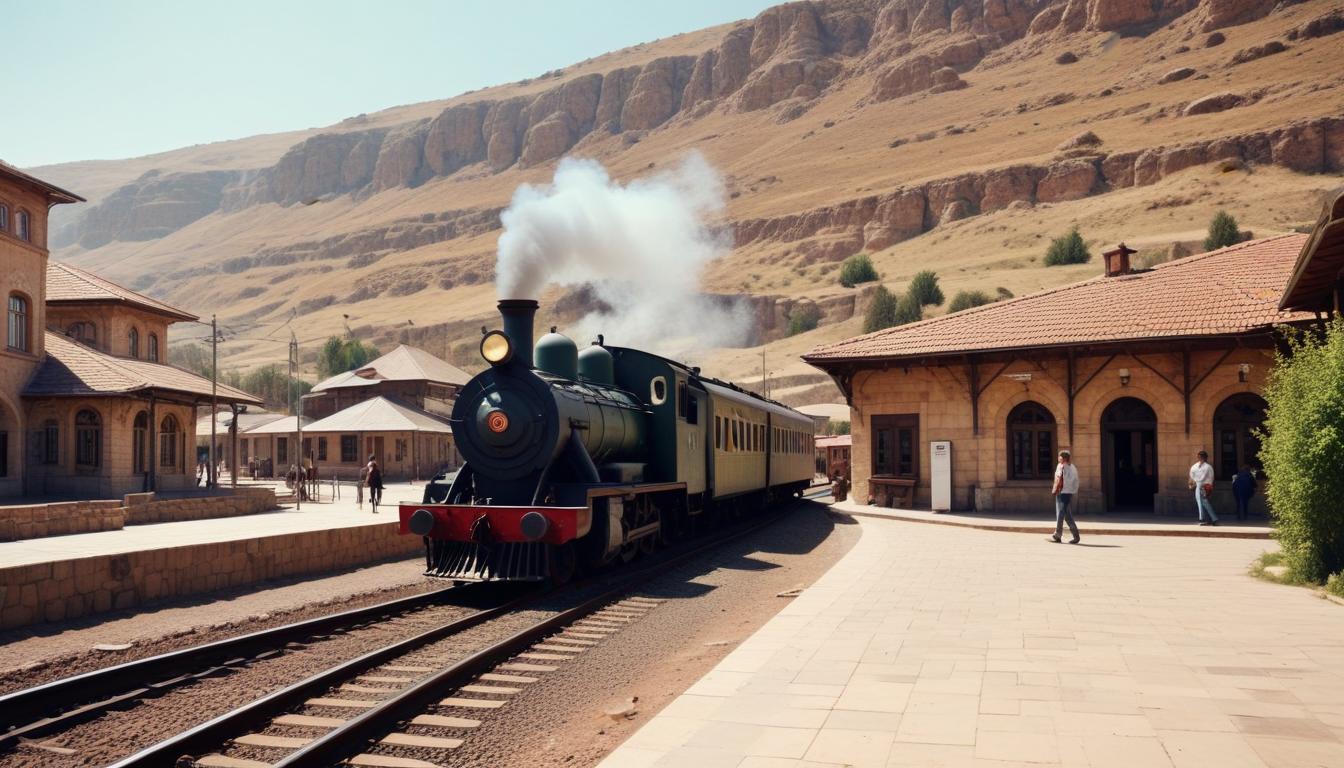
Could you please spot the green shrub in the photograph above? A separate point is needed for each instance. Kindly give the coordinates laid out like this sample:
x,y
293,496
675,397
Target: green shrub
x,y
1222,232
968,299
857,269
340,355
908,309
924,287
881,312
1002,293
1069,249
804,318
1303,450
1335,584
840,427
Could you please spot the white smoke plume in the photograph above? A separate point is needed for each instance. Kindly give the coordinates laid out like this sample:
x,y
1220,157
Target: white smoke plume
x,y
641,246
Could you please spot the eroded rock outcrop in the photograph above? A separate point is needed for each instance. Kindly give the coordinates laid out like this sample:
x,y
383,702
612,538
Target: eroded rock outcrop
x,y
152,206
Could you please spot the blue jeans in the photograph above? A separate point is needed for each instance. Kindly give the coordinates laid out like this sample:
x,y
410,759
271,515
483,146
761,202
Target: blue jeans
x,y
1203,505
1062,515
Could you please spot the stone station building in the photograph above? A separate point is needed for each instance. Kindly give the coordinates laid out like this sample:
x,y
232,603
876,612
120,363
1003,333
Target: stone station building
x,y
88,408
1134,372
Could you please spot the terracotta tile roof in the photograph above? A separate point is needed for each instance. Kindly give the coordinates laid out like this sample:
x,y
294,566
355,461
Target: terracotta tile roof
x,y
835,441
1228,291
72,369
401,364
70,284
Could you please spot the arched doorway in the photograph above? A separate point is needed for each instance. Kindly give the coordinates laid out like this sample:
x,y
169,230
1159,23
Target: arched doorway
x,y
1236,421
1129,454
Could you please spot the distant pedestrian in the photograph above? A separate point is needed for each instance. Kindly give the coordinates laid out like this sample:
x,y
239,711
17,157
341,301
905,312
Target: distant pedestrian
x,y
1243,488
1066,486
200,471
1201,480
375,482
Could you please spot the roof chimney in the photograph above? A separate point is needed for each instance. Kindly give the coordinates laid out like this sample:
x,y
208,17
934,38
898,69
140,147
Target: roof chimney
x,y
1117,261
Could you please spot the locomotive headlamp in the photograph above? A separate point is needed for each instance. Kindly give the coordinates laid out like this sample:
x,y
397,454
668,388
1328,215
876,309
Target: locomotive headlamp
x,y
496,348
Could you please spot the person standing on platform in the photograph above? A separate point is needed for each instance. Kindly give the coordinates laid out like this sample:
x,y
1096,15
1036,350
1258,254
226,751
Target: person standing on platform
x,y
375,482
1201,480
1066,486
359,487
1243,488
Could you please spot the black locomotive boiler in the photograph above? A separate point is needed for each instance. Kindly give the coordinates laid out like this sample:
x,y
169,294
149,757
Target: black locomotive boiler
x,y
594,456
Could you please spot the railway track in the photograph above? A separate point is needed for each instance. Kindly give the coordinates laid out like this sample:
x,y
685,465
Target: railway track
x,y
36,712
408,704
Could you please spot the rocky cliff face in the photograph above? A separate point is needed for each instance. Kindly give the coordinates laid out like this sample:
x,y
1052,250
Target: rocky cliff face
x,y
877,221
783,60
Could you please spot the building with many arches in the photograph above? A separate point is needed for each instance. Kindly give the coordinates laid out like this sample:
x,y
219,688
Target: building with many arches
x,y
1134,371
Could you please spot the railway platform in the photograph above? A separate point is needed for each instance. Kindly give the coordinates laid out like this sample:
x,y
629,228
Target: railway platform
x,y
930,645
62,577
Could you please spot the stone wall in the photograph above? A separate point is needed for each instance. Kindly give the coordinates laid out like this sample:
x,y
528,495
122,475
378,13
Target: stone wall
x,y
32,594
34,521
939,396
142,508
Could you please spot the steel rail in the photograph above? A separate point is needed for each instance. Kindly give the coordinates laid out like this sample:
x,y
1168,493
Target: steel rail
x,y
351,738
43,709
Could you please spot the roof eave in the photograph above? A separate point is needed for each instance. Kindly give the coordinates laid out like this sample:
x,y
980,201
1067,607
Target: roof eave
x,y
175,314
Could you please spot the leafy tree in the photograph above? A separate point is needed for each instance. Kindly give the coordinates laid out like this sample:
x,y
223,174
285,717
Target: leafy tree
x,y
909,309
857,269
340,355
924,287
968,299
1068,249
804,318
1303,450
192,357
272,384
840,427
881,312
1222,232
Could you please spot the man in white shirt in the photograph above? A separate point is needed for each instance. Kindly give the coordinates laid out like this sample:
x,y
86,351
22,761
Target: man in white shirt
x,y
1201,479
1066,485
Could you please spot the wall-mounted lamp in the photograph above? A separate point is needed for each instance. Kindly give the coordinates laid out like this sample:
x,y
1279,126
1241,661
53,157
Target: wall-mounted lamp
x,y
1124,377
1243,371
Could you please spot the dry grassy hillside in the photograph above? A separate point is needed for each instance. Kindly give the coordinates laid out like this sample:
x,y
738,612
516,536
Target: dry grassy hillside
x,y
928,138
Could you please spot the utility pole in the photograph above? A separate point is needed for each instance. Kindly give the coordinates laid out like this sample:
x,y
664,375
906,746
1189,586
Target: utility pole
x,y
213,481
299,475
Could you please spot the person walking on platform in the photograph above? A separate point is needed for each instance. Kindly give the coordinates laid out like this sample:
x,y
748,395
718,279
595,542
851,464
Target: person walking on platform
x,y
1243,488
1201,480
375,482
1066,486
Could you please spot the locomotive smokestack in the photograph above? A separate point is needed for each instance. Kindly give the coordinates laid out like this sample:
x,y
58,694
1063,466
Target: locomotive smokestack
x,y
518,314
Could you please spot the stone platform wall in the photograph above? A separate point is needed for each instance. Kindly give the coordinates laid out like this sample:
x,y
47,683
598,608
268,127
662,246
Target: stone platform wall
x,y
142,508
32,594
58,519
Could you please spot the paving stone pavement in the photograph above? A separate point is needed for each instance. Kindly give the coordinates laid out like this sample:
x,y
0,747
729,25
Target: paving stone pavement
x,y
936,646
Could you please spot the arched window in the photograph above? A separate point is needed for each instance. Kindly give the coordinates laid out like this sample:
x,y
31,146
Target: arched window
x,y
134,338
153,348
1031,442
4,217
21,226
168,437
88,439
140,442
84,332
1235,423
18,323
51,442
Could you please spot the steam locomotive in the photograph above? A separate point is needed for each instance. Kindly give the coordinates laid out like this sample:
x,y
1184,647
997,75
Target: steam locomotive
x,y
587,458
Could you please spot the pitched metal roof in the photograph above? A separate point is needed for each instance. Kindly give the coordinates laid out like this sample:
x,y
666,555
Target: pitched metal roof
x,y
380,414
1320,265
73,369
1229,291
404,363
284,425
67,284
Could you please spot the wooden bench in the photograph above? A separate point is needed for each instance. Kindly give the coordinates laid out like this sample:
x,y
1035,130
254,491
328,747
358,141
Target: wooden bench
x,y
890,491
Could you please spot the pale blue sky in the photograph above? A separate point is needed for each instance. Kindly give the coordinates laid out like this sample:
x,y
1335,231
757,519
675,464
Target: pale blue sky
x,y
101,79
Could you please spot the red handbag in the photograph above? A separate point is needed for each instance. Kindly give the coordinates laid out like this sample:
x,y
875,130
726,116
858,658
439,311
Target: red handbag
x,y
1208,488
